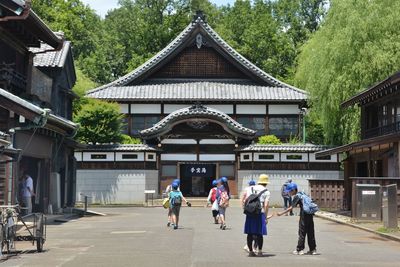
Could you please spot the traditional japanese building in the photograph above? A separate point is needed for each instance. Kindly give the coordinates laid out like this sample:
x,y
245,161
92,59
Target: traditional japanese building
x,y
375,158
200,104
36,77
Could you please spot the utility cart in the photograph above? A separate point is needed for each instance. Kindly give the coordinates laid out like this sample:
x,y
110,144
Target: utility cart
x,y
15,227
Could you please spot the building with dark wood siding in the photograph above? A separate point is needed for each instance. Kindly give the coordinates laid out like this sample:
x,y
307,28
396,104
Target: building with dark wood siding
x,y
201,104
36,77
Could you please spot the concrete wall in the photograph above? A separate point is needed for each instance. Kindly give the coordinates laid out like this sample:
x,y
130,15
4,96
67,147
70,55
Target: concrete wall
x,y
277,178
115,186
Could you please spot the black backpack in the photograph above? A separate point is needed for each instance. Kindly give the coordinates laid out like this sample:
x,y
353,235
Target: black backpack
x,y
252,205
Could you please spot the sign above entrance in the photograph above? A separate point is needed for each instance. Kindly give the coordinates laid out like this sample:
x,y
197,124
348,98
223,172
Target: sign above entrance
x,y
203,170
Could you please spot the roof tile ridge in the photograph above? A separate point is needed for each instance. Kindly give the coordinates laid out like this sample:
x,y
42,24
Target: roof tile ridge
x,y
150,62
247,62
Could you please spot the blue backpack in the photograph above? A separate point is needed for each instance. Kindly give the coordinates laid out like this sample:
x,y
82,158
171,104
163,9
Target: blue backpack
x,y
175,199
309,207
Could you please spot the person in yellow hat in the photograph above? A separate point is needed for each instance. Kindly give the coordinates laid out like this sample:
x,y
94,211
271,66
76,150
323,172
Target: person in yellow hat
x,y
256,209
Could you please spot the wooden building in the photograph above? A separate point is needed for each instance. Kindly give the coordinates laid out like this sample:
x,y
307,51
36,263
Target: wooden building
x,y
36,77
197,101
375,158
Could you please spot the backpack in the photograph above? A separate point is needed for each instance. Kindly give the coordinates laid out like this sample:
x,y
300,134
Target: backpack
x,y
252,205
223,201
309,207
213,195
176,200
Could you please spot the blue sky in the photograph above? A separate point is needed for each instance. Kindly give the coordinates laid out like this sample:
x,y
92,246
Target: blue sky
x,y
102,6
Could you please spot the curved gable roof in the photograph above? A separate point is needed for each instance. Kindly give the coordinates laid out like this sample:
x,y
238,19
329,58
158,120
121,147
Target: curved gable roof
x,y
198,112
198,25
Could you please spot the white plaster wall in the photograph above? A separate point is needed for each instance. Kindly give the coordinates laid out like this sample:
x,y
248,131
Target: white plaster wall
x,y
228,109
212,157
124,108
283,109
251,109
278,177
179,141
140,156
185,157
87,156
145,108
115,186
168,108
217,142
334,158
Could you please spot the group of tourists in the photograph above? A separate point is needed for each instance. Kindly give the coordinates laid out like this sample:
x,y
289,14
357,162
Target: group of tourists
x,y
255,204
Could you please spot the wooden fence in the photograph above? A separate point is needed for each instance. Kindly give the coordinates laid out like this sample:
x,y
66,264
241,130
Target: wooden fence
x,y
328,194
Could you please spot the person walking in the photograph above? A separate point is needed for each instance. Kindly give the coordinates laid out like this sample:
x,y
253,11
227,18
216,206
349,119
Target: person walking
x,y
223,203
306,223
287,199
256,224
27,192
168,189
175,203
212,200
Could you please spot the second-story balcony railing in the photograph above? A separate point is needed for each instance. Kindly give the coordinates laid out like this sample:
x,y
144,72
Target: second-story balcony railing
x,y
382,130
9,76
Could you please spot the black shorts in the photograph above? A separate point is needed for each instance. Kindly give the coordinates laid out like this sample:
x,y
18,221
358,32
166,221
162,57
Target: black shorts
x,y
175,210
214,213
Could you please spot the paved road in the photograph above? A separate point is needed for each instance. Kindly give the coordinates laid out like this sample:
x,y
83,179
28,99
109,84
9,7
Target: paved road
x,y
139,237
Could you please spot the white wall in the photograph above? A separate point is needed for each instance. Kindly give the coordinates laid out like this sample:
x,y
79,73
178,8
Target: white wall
x,y
115,186
146,108
251,109
228,109
278,177
217,157
168,108
185,157
124,108
283,109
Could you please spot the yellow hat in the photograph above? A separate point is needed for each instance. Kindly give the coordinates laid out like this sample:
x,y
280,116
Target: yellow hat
x,y
263,179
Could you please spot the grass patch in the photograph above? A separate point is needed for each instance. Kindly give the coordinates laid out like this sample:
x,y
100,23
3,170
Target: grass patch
x,y
385,230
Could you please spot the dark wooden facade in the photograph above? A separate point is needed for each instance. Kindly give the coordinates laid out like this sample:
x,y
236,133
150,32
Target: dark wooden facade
x,y
43,139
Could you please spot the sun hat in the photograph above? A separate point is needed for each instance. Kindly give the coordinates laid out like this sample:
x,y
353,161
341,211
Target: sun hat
x,y
177,181
252,182
224,179
291,187
214,182
263,179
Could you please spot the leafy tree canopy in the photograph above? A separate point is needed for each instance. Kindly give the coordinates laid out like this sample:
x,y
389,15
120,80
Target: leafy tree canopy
x,y
356,46
101,122
269,140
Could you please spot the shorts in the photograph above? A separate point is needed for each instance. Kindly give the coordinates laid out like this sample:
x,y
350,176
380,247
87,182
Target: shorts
x,y
175,210
214,213
221,211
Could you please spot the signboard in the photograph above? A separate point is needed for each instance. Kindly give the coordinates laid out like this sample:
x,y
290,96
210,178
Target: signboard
x,y
201,170
369,192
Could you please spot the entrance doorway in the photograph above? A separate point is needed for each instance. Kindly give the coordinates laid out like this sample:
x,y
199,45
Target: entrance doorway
x,y
196,179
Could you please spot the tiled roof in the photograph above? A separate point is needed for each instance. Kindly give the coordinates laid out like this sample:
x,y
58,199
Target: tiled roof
x,y
283,148
206,91
119,147
198,112
185,35
51,58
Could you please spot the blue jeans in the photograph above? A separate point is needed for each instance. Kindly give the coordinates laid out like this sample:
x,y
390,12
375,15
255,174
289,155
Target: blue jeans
x,y
287,202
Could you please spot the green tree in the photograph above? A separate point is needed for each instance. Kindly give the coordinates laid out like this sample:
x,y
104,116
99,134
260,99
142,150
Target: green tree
x,y
100,122
269,140
356,46
83,83
78,22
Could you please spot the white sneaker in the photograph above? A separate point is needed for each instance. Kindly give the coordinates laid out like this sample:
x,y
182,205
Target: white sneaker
x,y
246,248
296,252
312,252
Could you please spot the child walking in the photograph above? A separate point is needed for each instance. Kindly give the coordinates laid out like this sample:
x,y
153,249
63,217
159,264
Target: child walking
x,y
212,200
223,203
306,223
175,203
167,191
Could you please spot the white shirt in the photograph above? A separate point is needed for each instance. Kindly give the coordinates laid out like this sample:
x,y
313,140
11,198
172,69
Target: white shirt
x,y
256,189
28,184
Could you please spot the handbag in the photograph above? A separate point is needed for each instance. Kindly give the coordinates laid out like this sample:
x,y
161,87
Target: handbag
x,y
165,203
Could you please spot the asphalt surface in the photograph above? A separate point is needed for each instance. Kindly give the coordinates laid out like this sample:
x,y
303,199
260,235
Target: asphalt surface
x,y
139,237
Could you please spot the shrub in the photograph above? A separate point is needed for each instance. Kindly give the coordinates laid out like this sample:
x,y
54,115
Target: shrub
x,y
269,140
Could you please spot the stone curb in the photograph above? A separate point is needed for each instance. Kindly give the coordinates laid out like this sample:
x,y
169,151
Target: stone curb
x,y
384,235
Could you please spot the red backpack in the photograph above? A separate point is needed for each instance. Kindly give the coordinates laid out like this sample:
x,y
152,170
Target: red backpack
x,y
213,194
223,199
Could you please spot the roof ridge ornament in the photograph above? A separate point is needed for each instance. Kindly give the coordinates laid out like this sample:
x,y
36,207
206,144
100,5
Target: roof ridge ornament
x,y
199,15
198,106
